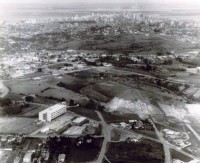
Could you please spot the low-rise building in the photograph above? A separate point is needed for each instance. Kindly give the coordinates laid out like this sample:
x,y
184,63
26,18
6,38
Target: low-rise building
x,y
4,138
61,158
28,156
80,121
192,70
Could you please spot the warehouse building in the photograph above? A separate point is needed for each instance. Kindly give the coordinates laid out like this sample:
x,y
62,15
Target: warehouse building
x,y
52,112
80,121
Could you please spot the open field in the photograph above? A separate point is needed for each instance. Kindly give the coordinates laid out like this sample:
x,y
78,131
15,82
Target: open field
x,y
17,125
179,156
85,112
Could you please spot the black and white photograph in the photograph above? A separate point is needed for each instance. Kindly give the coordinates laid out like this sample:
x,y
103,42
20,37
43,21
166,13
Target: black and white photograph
x,y
99,81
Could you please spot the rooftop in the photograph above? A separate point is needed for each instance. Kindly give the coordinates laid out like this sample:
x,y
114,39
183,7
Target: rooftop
x,y
54,108
79,119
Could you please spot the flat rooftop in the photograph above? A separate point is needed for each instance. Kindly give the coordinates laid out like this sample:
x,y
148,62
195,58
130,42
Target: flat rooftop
x,y
79,119
54,108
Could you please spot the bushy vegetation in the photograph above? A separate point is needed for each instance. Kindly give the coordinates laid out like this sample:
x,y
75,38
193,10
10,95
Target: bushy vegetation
x,y
144,151
5,102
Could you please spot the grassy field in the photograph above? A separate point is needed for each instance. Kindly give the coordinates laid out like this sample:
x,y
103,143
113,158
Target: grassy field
x,y
85,112
179,156
147,133
18,125
109,117
92,93
112,118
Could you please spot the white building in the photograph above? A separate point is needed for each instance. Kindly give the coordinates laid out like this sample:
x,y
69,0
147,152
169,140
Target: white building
x,y
52,112
80,121
192,70
61,158
27,157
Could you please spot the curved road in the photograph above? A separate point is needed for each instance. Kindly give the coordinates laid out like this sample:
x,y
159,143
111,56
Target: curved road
x,y
107,138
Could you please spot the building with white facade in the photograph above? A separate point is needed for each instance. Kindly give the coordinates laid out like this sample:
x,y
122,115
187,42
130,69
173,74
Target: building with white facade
x,y
28,155
80,121
52,112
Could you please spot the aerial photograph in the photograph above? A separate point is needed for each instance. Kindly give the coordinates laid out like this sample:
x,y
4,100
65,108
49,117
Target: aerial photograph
x,y
98,81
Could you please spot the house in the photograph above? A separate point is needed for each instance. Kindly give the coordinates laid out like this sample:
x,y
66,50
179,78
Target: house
x,y
61,158
138,125
28,156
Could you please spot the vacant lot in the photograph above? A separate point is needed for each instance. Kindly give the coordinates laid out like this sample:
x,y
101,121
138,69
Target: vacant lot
x,y
85,112
17,125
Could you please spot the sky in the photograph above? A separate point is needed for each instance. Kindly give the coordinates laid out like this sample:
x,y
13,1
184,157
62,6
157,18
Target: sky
x,y
103,1
140,3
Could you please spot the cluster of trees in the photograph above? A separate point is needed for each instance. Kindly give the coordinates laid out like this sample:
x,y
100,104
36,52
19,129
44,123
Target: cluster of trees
x,y
5,102
142,152
76,86
8,108
58,145
56,99
91,104
12,110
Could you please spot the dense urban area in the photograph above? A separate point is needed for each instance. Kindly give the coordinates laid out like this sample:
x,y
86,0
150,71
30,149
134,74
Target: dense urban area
x,y
104,87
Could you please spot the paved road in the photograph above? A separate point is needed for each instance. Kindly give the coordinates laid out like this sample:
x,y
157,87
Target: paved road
x,y
167,80
37,104
163,141
170,146
107,138
193,131
50,75
44,136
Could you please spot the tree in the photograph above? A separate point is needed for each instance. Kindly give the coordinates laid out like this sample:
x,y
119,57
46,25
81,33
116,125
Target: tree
x,y
179,59
148,67
29,99
91,104
71,102
160,53
5,102
39,69
168,62
12,110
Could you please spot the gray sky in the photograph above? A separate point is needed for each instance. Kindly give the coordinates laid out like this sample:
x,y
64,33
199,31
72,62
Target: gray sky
x,y
103,1
65,1
98,1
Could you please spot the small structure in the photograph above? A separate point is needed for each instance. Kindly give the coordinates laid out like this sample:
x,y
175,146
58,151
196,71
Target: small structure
x,y
47,155
192,70
11,139
61,158
4,138
138,125
52,112
28,156
80,121
45,130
